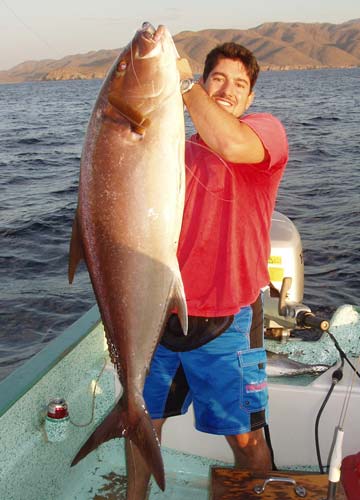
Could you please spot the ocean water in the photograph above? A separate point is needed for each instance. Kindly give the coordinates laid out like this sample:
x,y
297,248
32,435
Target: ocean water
x,y
42,128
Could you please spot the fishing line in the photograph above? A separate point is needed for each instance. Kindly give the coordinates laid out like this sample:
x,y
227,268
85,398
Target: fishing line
x,y
29,28
132,63
132,51
221,161
92,401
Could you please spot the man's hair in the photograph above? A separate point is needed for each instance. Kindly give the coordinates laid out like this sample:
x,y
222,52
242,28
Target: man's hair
x,y
231,50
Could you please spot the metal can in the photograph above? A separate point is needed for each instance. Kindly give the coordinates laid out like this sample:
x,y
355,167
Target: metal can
x,y
57,420
58,409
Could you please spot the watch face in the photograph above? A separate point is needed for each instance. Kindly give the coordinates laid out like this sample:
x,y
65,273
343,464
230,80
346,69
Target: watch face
x,y
186,85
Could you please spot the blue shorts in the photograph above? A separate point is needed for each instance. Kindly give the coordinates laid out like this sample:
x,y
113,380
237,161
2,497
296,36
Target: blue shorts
x,y
225,379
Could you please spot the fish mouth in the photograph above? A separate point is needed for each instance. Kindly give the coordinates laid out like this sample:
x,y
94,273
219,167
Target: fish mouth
x,y
148,40
148,28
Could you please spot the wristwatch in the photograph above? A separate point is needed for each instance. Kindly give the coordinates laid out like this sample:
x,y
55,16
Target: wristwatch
x,y
186,85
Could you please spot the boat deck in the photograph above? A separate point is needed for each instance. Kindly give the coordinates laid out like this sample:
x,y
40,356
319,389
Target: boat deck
x,y
102,476
35,461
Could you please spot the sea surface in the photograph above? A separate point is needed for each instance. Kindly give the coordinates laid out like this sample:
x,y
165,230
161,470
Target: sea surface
x,y
42,129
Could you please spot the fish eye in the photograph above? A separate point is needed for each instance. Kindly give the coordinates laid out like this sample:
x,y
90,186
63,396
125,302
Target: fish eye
x,y
122,66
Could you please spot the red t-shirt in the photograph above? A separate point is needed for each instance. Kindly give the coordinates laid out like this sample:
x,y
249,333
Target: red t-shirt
x,y
225,236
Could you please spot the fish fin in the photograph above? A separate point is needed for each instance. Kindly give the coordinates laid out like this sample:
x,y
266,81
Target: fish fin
x,y
109,428
179,301
76,253
139,123
140,432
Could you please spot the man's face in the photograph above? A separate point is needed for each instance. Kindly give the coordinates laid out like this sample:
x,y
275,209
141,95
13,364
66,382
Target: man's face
x,y
229,85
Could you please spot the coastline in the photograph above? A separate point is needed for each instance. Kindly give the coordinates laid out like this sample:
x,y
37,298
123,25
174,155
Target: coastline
x,y
68,75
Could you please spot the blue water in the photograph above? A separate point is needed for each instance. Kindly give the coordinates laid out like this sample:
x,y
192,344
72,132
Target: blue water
x,y
42,127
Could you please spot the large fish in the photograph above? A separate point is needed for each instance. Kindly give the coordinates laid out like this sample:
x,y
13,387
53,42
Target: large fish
x,y
131,195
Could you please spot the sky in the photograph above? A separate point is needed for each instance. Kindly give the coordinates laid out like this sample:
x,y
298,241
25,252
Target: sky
x,y
41,29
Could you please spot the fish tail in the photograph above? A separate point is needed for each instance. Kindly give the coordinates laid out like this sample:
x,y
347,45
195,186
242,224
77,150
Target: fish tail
x,y
111,427
140,431
145,439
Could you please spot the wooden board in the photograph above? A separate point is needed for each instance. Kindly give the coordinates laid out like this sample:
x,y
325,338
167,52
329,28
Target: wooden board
x,y
228,483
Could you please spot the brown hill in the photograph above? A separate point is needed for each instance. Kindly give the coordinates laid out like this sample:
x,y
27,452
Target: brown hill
x,y
94,64
277,45
283,45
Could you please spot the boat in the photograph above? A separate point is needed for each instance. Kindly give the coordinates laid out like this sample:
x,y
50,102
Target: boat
x,y
53,402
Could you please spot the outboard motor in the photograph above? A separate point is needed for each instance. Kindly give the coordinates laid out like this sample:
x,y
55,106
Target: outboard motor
x,y
283,309
286,258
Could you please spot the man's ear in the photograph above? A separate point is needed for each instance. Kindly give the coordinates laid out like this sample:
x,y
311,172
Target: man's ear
x,y
250,100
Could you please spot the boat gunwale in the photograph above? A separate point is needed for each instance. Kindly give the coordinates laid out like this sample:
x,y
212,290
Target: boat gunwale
x,y
23,378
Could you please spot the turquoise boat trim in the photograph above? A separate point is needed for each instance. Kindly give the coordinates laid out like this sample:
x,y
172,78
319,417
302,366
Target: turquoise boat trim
x,y
23,378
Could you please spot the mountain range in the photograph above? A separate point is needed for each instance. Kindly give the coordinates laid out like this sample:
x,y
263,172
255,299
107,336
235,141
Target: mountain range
x,y
277,46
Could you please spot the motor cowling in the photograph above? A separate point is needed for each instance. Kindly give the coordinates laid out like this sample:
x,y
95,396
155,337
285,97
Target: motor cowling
x,y
286,258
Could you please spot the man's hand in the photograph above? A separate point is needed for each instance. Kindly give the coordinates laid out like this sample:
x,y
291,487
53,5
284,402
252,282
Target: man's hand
x,y
184,69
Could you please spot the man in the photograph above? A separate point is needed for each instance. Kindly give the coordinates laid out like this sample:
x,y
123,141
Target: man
x,y
234,166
